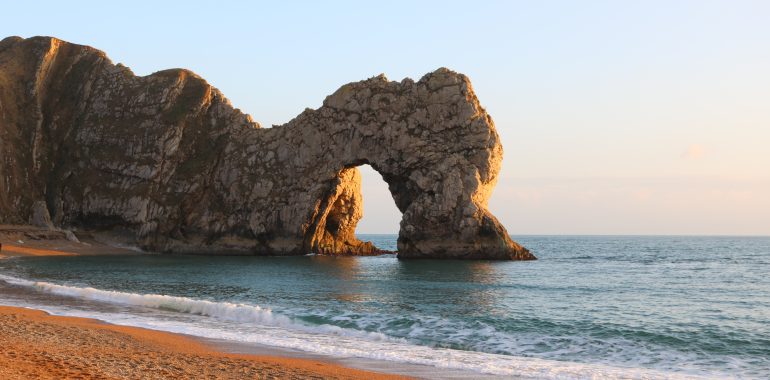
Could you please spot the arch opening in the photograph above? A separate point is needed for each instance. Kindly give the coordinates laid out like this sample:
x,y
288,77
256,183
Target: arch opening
x,y
334,226
381,217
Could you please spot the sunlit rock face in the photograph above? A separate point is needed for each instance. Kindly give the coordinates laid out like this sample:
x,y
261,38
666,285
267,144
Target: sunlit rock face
x,y
167,159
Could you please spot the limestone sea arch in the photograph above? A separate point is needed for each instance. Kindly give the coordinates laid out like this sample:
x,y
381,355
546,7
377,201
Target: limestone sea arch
x,y
167,159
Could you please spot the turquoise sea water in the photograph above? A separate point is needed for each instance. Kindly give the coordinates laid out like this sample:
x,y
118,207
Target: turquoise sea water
x,y
606,307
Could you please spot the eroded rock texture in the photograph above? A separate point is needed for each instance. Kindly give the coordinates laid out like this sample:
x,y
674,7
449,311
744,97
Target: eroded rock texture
x,y
168,159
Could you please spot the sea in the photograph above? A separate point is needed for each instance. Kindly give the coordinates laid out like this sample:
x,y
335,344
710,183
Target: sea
x,y
591,307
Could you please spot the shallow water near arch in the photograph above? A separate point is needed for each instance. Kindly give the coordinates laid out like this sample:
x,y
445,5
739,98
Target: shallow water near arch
x,y
628,306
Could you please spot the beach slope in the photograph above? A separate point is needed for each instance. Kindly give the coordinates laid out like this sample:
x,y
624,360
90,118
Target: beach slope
x,y
34,344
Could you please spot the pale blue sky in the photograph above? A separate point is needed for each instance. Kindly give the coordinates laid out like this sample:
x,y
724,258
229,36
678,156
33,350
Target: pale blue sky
x,y
617,117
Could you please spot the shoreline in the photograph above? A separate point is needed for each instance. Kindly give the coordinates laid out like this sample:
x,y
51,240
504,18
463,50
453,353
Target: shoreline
x,y
25,240
35,344
88,303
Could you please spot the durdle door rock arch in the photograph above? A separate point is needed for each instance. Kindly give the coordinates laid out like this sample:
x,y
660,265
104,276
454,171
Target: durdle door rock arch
x,y
166,159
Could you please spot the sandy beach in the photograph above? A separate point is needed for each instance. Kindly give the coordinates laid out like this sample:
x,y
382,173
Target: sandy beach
x,y
22,240
34,344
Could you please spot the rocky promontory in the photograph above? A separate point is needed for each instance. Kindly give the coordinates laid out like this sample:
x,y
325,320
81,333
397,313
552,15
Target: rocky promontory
x,y
165,158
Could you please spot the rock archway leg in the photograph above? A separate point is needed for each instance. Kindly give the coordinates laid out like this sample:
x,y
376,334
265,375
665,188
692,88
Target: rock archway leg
x,y
333,227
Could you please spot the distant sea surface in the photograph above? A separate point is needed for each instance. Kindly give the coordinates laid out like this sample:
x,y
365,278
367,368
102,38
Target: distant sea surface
x,y
590,307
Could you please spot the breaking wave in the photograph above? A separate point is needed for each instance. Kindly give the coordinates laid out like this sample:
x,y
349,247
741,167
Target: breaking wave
x,y
260,325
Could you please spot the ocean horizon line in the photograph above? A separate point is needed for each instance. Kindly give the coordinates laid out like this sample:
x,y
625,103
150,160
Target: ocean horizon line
x,y
602,235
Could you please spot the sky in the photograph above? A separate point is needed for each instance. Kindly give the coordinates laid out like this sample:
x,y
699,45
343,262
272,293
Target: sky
x,y
616,117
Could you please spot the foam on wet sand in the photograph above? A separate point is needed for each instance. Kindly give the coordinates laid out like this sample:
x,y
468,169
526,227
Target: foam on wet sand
x,y
34,344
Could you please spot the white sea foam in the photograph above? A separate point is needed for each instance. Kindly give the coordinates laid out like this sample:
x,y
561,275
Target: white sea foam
x,y
226,311
255,324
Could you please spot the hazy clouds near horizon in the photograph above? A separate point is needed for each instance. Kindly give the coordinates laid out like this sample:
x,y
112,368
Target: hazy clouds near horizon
x,y
616,117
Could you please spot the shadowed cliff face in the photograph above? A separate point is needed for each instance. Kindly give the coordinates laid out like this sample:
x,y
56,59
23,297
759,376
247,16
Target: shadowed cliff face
x,y
168,159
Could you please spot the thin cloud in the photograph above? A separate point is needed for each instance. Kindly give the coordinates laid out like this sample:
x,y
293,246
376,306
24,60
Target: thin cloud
x,y
694,152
